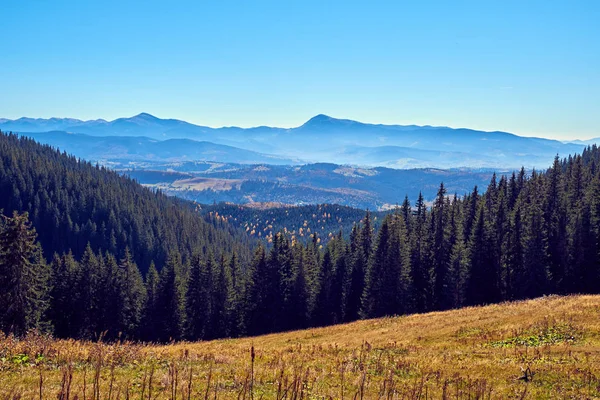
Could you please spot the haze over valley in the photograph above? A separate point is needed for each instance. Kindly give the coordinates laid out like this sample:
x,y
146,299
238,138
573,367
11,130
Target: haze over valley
x,y
325,160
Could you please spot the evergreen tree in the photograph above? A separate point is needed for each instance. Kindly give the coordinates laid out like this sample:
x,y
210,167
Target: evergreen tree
x,y
90,286
238,287
375,302
261,295
132,291
65,296
170,306
150,323
482,284
536,278
555,222
514,259
222,299
324,313
280,262
199,299
458,270
419,258
24,277
441,248
340,279
311,261
357,273
298,304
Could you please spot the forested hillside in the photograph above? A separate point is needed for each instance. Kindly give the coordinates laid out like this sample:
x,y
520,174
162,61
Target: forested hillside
x,y
524,237
72,203
296,222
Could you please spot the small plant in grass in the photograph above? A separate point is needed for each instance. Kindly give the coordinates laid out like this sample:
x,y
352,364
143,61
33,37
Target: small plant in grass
x,y
542,335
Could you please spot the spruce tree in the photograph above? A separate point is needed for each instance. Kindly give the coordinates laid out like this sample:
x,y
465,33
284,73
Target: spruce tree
x,y
420,258
24,277
90,288
323,314
298,305
441,248
171,300
340,279
261,295
199,305
65,296
133,293
374,301
222,299
150,317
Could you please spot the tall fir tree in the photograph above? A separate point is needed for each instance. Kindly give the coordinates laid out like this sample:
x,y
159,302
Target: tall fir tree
x,y
65,296
24,277
170,306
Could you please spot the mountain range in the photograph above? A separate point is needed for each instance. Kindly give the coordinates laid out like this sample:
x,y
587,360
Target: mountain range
x,y
108,149
320,139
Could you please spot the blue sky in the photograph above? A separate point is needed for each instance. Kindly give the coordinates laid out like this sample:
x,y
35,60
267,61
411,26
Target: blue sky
x,y
528,67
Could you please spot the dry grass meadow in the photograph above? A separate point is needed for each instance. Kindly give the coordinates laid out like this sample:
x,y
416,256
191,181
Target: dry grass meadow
x,y
543,348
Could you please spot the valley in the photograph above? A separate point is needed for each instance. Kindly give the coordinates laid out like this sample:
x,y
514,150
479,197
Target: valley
x,y
366,188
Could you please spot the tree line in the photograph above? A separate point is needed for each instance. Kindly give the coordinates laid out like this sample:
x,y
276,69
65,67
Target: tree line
x,y
527,235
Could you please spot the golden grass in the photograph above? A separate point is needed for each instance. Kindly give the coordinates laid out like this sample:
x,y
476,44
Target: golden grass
x,y
471,353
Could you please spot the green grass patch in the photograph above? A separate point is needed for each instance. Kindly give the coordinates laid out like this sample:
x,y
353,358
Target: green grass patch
x,y
542,335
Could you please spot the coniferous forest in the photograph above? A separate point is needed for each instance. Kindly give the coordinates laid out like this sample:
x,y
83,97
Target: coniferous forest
x,y
85,253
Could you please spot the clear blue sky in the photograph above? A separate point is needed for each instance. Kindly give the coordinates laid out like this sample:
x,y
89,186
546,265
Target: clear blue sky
x,y
528,67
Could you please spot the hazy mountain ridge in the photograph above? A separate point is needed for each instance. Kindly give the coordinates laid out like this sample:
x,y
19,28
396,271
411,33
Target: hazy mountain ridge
x,y
135,148
327,139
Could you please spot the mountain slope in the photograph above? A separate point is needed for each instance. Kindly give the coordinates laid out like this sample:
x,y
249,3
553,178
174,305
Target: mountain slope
x,y
72,203
476,352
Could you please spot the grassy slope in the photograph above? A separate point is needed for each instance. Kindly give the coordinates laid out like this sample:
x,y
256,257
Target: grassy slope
x,y
468,353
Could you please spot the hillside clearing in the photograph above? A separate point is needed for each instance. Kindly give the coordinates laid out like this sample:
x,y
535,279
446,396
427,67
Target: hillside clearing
x,y
479,352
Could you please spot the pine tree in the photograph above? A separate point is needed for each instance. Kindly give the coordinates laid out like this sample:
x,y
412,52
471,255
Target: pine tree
x,y
298,305
357,274
311,266
65,296
90,285
555,223
238,284
261,295
441,248
133,293
280,263
110,299
340,279
375,302
171,300
150,323
24,277
324,314
514,262
222,299
481,287
535,242
419,258
458,272
199,299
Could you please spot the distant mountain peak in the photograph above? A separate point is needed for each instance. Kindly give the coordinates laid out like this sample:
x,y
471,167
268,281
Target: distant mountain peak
x,y
320,118
145,116
323,120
